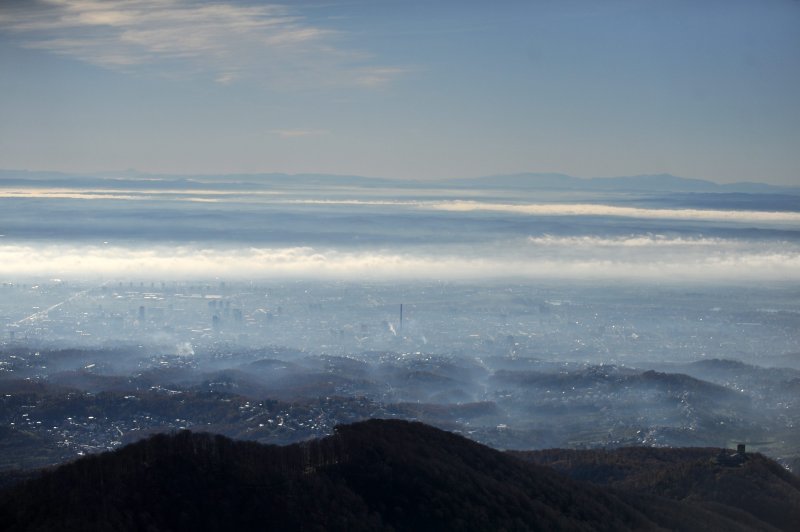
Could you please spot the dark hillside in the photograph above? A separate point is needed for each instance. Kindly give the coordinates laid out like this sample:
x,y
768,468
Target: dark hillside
x,y
374,475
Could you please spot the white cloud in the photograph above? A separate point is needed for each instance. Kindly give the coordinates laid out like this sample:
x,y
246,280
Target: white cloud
x,y
378,77
759,218
634,241
226,40
589,209
579,209
720,260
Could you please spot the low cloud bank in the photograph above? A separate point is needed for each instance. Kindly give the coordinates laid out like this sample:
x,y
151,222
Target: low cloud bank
x,y
572,209
271,197
589,209
637,257
647,240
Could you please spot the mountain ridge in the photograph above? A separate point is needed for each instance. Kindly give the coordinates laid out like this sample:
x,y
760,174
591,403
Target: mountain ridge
x,y
527,180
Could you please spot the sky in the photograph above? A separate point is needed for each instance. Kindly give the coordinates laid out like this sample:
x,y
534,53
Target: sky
x,y
403,89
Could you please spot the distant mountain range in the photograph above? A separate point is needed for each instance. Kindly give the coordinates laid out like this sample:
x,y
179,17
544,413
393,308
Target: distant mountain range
x,y
398,475
653,183
637,183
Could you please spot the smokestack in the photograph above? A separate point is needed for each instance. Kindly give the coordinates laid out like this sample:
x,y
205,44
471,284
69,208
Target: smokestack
x,y
401,317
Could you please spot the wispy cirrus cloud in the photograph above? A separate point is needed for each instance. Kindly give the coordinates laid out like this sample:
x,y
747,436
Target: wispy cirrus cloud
x,y
295,133
227,41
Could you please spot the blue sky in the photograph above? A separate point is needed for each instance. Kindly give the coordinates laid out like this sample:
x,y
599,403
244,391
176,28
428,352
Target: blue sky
x,y
403,88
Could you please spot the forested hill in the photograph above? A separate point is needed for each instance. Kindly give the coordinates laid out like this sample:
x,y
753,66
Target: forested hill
x,y
383,475
759,487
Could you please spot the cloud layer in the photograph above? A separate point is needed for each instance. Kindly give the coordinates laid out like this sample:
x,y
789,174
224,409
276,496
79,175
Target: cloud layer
x,y
455,206
649,258
590,209
576,209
